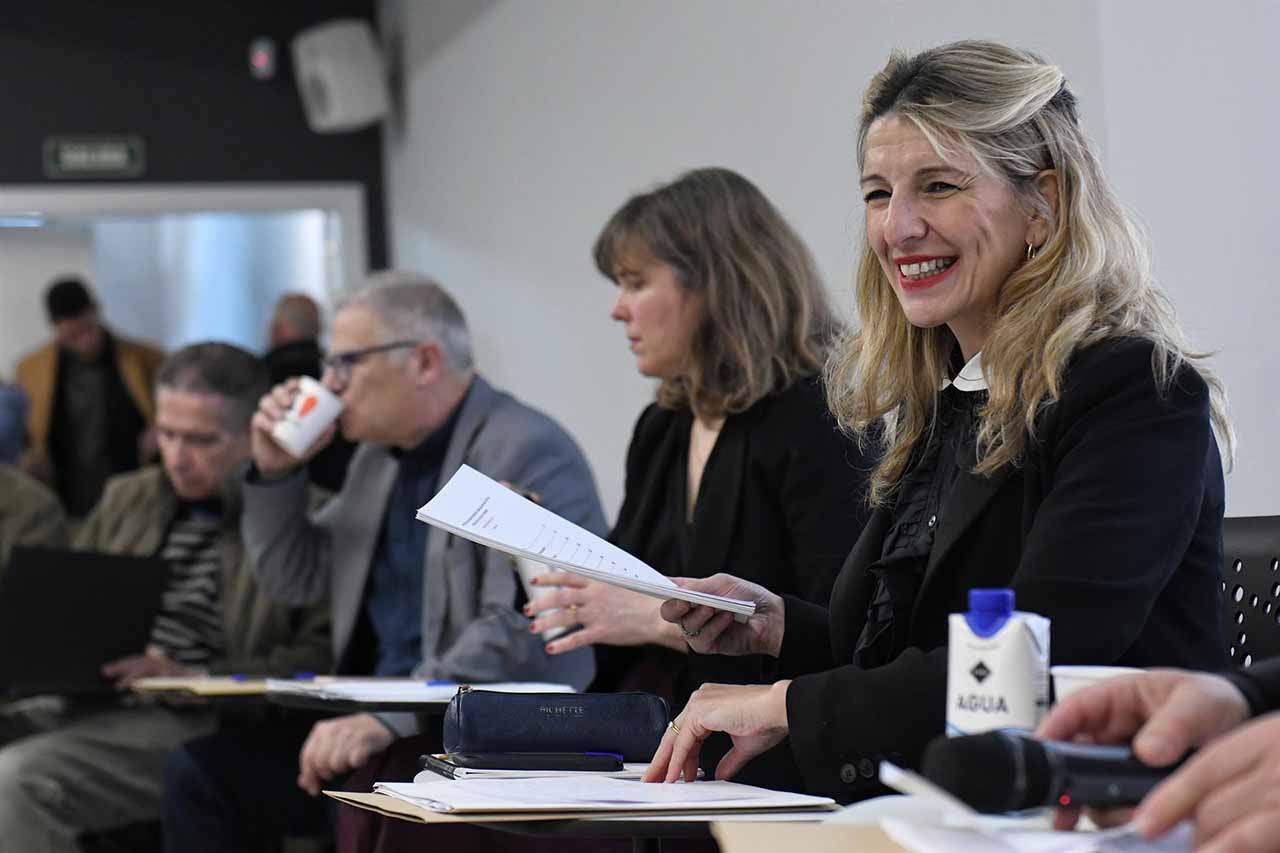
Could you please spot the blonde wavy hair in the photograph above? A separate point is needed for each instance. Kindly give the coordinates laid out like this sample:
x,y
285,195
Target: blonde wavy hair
x,y
767,320
1091,279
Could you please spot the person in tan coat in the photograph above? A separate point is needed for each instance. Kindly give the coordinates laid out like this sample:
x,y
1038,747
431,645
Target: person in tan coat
x,y
96,767
91,400
29,513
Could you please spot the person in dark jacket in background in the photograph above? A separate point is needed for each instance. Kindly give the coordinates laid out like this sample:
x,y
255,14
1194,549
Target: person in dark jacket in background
x,y
294,338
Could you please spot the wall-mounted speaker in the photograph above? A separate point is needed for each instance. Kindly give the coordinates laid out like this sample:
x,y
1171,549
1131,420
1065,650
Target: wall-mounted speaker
x,y
341,75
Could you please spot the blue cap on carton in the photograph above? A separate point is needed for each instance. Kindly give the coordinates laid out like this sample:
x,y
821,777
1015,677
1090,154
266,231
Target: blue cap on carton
x,y
988,610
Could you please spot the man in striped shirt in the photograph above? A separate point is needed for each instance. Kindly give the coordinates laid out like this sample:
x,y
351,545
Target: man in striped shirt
x,y
95,767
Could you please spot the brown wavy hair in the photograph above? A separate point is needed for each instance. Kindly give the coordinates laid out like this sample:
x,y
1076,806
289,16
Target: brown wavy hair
x,y
1013,113
767,319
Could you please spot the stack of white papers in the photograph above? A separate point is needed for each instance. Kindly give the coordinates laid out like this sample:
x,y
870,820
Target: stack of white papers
x,y
590,793
482,510
398,689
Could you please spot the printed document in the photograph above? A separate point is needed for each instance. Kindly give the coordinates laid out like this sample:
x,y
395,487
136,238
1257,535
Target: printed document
x,y
588,793
475,507
398,689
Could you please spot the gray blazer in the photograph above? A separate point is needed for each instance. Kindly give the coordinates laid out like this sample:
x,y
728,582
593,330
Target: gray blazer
x,y
470,628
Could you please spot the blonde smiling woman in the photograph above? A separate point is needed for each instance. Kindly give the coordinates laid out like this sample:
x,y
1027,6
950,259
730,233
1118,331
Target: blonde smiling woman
x,y
1044,427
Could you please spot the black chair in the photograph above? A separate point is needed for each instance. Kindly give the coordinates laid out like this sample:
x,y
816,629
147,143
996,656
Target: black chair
x,y
1251,584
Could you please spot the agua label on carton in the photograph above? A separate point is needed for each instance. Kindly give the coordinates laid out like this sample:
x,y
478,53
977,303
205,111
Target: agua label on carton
x,y
997,681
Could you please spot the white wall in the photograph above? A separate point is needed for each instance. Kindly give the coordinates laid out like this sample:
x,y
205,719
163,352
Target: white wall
x,y
1192,129
526,124
29,260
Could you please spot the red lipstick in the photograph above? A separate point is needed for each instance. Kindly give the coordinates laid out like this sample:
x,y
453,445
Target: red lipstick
x,y
921,283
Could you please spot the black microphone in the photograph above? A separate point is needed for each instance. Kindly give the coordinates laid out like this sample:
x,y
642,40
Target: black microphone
x,y
1008,771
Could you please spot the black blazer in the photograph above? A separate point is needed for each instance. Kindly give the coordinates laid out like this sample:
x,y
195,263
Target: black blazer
x,y
1111,526
781,502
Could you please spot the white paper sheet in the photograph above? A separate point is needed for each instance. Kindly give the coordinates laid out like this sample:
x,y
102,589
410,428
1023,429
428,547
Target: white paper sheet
x,y
923,838
482,510
802,816
398,689
590,794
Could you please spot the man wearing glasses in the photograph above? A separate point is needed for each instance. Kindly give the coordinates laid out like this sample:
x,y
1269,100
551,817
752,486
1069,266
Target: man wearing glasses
x,y
406,599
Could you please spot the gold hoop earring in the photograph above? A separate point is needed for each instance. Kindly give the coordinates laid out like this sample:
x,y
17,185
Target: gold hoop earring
x,y
1031,251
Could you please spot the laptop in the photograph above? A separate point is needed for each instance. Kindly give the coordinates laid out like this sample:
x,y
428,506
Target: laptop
x,y
64,613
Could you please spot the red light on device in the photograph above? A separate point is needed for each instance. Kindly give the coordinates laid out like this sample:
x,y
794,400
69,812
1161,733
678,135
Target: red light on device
x,y
262,58
1064,800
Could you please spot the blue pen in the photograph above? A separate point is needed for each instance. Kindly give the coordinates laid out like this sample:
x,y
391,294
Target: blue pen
x,y
237,676
441,682
304,676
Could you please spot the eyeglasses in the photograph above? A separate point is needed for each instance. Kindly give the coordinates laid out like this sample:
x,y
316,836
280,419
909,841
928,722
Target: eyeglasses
x,y
341,363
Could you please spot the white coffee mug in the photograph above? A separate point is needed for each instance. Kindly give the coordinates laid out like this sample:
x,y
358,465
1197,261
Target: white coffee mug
x,y
312,411
1069,679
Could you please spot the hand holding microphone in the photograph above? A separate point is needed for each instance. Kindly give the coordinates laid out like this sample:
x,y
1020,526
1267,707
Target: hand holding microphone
x,y
1007,771
1228,789
1163,713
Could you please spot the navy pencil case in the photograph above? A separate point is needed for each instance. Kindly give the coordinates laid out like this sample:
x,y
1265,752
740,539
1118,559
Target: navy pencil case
x,y
630,724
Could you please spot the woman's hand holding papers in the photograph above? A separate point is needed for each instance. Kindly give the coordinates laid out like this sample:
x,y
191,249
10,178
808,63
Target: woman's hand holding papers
x,y
716,632
337,746
754,716
608,614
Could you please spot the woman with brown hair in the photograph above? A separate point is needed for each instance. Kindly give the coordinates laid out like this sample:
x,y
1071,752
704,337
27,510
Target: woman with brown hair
x,y
738,466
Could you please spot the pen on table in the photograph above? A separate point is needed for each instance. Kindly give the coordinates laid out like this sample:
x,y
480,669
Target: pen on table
x,y
297,676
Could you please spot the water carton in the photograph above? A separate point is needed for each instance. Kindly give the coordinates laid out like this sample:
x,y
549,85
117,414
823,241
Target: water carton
x,y
997,666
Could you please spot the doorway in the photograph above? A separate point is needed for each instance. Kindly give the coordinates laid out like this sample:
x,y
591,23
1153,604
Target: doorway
x,y
177,263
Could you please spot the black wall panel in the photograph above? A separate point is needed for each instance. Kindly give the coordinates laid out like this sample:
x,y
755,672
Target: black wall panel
x,y
177,75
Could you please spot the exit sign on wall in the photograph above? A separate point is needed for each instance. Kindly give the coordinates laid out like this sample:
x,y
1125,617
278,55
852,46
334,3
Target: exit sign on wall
x,y
95,156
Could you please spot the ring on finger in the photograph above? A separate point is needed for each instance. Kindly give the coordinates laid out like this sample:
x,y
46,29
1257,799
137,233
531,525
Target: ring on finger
x,y
573,609
689,635
672,725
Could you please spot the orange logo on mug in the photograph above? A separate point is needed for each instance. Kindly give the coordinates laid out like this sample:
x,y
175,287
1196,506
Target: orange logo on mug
x,y
307,405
